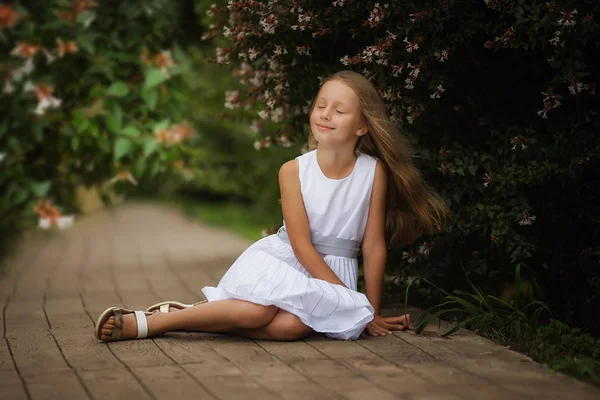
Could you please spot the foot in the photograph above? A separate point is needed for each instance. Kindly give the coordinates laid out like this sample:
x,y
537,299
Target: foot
x,y
129,329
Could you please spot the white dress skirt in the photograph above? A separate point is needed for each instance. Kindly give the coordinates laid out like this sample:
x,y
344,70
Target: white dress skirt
x,y
268,273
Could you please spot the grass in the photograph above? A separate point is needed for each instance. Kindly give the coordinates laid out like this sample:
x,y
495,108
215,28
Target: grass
x,y
235,217
517,324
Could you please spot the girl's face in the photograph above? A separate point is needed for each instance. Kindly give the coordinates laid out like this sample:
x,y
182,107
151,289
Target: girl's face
x,y
336,117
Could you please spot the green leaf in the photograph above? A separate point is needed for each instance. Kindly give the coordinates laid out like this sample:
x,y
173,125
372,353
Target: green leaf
x,y
122,147
131,130
118,89
86,42
113,122
150,97
140,167
40,189
472,169
154,77
458,161
150,146
75,142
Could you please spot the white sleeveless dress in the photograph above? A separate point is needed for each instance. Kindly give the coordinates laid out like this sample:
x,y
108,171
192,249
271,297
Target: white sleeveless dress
x,y
268,272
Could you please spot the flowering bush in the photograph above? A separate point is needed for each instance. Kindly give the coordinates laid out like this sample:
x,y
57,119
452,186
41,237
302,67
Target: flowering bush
x,y
498,97
91,93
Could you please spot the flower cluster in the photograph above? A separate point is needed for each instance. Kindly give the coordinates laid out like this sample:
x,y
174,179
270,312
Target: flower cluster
x,y
176,134
414,17
162,60
123,175
415,69
49,215
518,141
283,140
502,41
269,24
412,45
8,16
414,112
527,219
550,101
377,15
442,56
439,90
44,96
232,99
487,179
78,7
568,18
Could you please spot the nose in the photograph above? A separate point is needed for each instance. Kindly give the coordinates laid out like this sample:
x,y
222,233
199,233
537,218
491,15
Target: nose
x,y
326,113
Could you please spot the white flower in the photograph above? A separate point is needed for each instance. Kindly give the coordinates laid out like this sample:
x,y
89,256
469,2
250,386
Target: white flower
x,y
86,24
124,176
2,156
438,92
24,70
442,56
269,24
257,145
255,127
303,50
8,87
279,50
232,99
345,60
277,114
46,103
338,3
50,58
252,53
264,114
44,223
527,219
65,221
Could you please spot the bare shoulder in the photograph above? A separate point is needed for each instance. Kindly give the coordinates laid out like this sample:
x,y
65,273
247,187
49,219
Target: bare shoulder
x,y
289,170
380,172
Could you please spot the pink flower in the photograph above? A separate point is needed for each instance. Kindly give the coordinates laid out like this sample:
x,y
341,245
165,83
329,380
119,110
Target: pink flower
x,y
527,219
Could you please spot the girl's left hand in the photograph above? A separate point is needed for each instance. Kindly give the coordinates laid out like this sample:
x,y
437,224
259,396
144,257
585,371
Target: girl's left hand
x,y
382,326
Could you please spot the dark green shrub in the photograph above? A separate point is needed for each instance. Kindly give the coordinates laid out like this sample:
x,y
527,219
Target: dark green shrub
x,y
497,97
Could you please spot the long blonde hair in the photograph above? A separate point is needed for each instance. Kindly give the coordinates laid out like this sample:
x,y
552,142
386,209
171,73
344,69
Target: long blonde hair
x,y
413,208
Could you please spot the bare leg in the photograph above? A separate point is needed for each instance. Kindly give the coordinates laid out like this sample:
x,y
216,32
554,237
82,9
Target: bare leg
x,y
285,326
214,316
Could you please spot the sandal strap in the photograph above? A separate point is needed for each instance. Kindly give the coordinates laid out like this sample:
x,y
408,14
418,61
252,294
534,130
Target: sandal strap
x,y
142,324
165,308
118,329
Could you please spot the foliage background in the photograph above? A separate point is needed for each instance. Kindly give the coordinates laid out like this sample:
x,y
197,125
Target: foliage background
x,y
498,99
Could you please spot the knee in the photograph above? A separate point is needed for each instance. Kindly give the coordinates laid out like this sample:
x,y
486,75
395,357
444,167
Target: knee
x,y
256,316
288,328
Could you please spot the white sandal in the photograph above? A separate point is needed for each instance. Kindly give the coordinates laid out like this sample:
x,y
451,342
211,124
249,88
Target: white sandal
x,y
164,306
117,312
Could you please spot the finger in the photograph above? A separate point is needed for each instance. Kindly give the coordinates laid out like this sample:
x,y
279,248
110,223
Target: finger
x,y
383,330
394,327
397,319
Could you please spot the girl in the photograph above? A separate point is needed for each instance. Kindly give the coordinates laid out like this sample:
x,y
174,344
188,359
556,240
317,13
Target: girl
x,y
345,195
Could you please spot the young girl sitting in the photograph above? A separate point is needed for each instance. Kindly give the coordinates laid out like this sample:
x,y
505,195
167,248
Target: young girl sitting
x,y
349,194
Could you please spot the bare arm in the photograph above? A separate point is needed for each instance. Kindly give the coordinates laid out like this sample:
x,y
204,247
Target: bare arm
x,y
297,226
374,248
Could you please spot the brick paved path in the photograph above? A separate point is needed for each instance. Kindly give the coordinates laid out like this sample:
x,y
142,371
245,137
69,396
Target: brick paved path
x,y
135,255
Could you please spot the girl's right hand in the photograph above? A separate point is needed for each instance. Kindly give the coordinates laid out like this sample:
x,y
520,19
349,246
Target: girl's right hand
x,y
382,326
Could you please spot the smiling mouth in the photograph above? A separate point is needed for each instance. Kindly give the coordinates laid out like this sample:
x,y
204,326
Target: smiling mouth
x,y
324,128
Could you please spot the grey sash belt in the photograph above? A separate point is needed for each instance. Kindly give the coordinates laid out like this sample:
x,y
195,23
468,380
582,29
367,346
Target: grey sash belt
x,y
328,245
